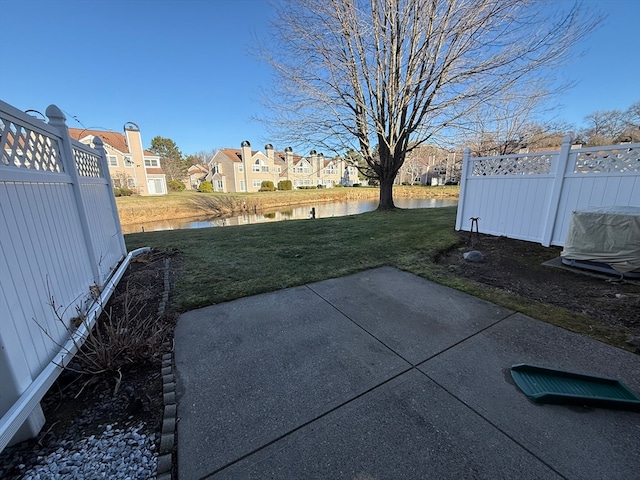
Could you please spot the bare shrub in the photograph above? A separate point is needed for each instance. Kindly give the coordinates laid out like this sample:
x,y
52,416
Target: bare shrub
x,y
130,336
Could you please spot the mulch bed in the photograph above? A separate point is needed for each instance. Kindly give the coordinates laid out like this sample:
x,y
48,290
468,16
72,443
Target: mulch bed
x,y
516,266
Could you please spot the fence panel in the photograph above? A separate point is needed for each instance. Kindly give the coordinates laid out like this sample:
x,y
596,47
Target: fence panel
x,y
102,214
508,194
60,237
532,196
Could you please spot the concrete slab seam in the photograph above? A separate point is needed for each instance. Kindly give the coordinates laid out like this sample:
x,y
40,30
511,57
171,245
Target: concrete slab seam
x,y
358,325
494,425
308,422
473,335
391,349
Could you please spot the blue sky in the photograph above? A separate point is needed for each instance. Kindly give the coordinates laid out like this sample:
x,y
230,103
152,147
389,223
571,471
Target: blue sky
x,y
184,69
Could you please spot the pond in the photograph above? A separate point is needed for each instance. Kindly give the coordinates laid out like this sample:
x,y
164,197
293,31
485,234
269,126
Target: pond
x,y
322,210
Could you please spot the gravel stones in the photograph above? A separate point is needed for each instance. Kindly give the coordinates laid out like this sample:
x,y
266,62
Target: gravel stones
x,y
118,453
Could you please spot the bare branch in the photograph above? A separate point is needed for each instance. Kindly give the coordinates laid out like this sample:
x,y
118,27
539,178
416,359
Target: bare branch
x,y
395,74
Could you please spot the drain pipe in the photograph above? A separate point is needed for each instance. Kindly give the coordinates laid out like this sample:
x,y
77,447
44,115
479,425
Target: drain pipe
x,y
22,408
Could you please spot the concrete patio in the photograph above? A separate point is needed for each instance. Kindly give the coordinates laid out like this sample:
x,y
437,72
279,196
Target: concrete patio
x,y
385,375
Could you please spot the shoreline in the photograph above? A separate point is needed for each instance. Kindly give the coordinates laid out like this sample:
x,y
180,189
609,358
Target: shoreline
x,y
189,204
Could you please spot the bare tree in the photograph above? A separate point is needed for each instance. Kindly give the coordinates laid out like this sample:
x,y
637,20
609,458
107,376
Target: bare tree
x,y
201,158
398,73
506,124
632,120
604,126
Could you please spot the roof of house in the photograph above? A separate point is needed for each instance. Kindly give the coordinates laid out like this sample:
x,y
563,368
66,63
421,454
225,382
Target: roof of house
x,y
113,139
282,157
234,154
198,169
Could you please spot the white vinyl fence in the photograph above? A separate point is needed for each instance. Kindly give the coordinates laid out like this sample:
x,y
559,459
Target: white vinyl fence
x,y
532,196
61,242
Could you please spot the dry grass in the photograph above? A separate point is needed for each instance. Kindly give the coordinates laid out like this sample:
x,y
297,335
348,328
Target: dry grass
x,y
136,209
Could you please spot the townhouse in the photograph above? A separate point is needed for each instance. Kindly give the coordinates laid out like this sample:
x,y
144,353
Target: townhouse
x,y
130,166
244,169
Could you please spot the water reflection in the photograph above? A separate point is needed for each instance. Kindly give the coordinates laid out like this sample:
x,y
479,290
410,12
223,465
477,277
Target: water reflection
x,y
323,210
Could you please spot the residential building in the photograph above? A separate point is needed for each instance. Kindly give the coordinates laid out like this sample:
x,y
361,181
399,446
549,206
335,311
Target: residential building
x,y
197,173
130,166
350,176
244,169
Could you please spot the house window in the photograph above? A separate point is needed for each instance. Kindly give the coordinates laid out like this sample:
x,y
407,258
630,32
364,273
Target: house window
x,y
151,162
243,186
128,161
218,185
279,169
257,183
259,167
131,182
117,183
241,168
112,160
216,168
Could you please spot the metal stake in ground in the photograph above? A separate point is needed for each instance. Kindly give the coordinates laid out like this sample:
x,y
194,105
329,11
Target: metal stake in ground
x,y
474,221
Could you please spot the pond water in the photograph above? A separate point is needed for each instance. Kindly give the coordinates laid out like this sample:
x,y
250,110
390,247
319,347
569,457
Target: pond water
x,y
323,210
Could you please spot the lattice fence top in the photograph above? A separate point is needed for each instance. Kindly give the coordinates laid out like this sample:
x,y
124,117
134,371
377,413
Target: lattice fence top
x,y
520,165
87,164
617,160
22,147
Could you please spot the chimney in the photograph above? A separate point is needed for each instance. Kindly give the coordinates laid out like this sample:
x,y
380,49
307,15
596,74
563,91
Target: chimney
x,y
288,156
320,164
268,151
313,160
246,152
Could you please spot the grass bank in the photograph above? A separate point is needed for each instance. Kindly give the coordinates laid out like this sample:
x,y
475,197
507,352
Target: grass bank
x,y
135,209
223,264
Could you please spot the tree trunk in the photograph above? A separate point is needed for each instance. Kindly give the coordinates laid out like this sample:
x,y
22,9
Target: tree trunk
x,y
386,193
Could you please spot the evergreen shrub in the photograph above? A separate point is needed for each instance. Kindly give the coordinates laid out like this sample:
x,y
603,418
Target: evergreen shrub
x,y
176,186
206,187
267,186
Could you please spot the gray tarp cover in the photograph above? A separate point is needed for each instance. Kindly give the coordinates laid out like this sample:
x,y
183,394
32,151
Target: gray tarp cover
x,y
608,235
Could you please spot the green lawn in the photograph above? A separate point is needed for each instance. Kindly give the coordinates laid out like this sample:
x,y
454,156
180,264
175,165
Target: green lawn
x,y
224,263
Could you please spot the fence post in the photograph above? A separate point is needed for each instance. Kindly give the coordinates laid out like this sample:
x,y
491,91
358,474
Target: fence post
x,y
98,146
57,119
556,190
466,170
